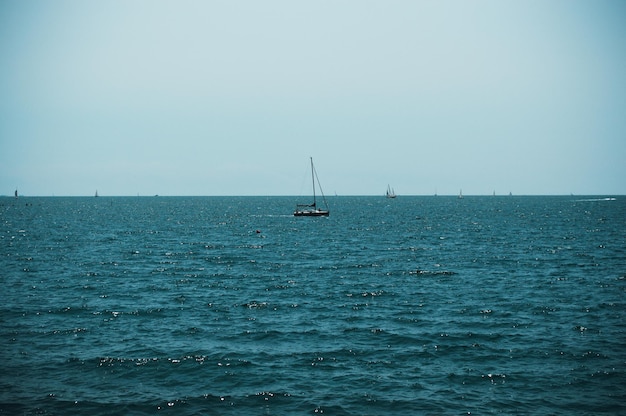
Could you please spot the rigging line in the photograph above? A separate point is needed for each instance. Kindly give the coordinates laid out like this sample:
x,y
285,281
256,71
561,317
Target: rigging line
x,y
320,186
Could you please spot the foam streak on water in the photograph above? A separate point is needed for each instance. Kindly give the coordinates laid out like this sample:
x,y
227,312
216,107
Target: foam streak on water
x,y
428,305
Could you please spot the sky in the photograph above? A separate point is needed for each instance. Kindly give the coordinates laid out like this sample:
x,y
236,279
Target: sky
x,y
232,97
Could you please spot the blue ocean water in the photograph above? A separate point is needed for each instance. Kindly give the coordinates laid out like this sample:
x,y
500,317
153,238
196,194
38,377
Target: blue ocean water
x,y
230,306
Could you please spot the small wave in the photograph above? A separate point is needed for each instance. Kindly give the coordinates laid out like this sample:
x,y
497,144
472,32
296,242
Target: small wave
x,y
595,199
367,294
254,304
217,360
495,378
433,273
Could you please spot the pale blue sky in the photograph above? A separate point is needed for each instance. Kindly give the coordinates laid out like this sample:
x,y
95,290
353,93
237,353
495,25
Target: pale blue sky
x,y
232,97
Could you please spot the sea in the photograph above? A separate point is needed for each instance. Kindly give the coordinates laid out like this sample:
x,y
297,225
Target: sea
x,y
425,305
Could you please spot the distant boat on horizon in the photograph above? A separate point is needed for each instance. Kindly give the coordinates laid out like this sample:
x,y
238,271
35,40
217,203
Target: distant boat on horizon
x,y
16,193
390,192
96,193
461,194
311,210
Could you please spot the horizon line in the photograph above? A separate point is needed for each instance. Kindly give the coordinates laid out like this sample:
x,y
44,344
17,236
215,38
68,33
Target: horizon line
x,y
298,196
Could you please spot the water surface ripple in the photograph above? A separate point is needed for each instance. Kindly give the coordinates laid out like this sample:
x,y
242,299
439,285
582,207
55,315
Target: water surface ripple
x,y
230,305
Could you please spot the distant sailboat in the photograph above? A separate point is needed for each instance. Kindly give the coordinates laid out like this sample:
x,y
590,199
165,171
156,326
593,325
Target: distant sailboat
x,y
311,210
461,194
96,193
390,192
16,192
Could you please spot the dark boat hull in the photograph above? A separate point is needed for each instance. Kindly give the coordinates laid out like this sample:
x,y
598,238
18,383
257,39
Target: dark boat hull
x,y
311,213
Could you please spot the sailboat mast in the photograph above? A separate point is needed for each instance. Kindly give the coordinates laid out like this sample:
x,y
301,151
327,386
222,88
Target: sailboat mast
x,y
313,179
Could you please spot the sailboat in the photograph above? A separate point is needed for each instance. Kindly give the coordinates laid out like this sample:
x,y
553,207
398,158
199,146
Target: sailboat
x,y
96,195
16,195
311,210
461,194
390,192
